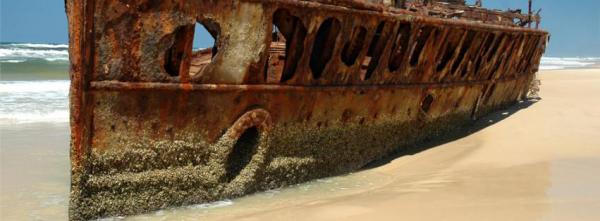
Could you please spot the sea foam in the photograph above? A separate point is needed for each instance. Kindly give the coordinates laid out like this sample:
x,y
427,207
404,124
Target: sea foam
x,y
23,52
33,45
34,101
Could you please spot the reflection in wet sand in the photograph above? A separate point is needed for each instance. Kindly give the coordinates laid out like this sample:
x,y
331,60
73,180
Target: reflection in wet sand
x,y
34,169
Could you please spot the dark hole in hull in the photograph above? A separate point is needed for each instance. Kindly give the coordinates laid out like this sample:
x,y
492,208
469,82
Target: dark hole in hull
x,y
463,50
323,46
174,55
376,38
400,47
422,38
452,45
375,50
353,47
476,45
486,47
494,50
489,43
242,153
294,32
497,66
426,103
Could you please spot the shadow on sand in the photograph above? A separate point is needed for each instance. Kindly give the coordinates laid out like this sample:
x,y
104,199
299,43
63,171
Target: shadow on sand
x,y
470,128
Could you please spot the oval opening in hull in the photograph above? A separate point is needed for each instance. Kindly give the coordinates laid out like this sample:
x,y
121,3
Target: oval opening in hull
x,y
241,154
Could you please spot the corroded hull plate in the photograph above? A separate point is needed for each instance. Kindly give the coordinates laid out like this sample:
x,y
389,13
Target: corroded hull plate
x,y
155,124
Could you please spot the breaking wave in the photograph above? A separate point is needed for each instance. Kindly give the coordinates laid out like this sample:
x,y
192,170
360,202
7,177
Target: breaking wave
x,y
34,101
23,52
556,63
33,45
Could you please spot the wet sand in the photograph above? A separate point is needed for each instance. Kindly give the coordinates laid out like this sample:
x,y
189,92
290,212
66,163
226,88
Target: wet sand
x,y
34,169
535,161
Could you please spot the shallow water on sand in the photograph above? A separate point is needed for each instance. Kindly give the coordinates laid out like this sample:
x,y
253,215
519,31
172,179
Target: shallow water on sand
x,y
34,171
537,162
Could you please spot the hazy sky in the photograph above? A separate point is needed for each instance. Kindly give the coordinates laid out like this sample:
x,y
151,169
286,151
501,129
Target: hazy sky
x,y
574,25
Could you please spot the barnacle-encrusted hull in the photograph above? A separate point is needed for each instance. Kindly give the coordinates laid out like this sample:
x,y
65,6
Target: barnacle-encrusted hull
x,y
155,124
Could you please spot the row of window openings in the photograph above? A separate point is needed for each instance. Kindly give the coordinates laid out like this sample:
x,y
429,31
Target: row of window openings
x,y
329,30
293,32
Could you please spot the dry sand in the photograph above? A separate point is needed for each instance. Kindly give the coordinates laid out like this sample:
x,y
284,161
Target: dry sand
x,y
535,161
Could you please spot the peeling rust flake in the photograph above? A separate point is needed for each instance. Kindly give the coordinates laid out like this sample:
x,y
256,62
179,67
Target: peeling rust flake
x,y
291,91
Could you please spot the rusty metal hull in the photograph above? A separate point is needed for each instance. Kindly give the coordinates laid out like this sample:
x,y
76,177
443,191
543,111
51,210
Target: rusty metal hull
x,y
156,125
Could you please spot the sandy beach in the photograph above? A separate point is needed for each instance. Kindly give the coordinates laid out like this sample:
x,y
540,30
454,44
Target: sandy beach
x,y
535,161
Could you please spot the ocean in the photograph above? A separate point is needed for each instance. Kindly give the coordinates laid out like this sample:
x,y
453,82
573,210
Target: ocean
x,y
34,83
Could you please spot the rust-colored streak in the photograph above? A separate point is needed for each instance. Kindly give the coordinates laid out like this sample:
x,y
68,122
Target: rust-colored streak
x,y
126,86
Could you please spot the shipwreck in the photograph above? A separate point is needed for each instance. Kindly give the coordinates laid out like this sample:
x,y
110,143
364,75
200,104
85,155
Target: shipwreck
x,y
291,90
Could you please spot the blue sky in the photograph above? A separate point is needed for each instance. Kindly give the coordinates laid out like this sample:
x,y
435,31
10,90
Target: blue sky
x,y
574,25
